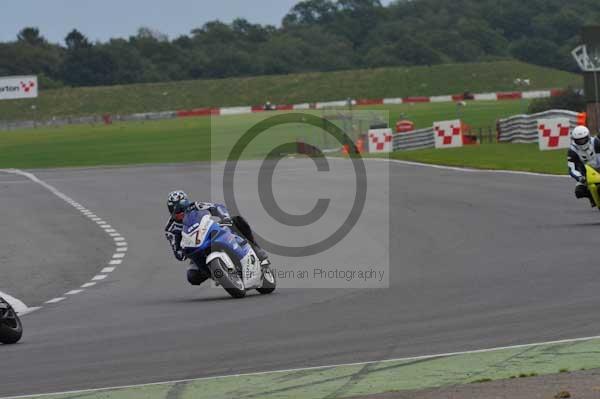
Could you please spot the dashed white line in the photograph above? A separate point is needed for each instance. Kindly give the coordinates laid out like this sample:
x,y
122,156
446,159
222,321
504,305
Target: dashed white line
x,y
55,300
119,241
88,285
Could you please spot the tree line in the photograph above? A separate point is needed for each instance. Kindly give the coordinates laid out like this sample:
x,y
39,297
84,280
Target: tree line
x,y
316,35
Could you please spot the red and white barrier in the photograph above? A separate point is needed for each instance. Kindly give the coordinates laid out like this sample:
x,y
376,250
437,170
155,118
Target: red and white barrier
x,y
502,96
381,140
448,134
554,134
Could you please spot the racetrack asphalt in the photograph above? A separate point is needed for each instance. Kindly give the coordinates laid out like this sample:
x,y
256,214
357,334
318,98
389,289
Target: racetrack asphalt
x,y
477,260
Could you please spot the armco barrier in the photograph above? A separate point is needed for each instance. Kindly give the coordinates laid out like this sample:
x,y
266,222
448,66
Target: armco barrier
x,y
415,140
524,129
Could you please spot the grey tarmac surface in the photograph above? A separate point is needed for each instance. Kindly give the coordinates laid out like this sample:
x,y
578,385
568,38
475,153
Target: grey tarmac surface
x,y
478,260
47,247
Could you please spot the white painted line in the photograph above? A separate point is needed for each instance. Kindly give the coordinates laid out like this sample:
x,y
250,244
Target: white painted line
x,y
96,219
457,168
114,234
121,244
29,310
88,285
122,249
55,300
115,262
73,292
118,256
259,373
109,230
108,270
119,239
99,277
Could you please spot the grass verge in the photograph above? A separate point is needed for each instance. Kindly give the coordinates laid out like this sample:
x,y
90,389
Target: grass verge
x,y
522,157
204,139
287,89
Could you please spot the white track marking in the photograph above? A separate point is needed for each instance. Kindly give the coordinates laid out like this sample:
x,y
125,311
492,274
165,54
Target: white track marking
x,y
115,262
120,244
88,285
55,300
403,359
29,310
460,169
108,270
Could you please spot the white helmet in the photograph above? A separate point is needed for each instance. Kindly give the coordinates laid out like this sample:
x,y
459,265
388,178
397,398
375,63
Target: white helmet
x,y
581,137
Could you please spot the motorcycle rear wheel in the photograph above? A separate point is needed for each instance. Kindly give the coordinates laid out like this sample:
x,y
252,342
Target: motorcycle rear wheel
x,y
232,282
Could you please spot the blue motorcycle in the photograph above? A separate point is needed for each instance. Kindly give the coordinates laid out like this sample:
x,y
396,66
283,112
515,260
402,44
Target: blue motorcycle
x,y
228,256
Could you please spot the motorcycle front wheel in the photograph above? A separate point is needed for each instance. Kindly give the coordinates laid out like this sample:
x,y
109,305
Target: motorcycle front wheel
x,y
269,283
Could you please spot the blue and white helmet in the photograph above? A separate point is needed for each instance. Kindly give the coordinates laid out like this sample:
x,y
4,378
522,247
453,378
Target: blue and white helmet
x,y
175,198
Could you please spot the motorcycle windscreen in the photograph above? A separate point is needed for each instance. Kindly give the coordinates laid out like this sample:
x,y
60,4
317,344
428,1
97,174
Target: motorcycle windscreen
x,y
196,228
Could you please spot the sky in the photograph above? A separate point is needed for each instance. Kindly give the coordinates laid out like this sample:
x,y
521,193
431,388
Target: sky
x,y
103,19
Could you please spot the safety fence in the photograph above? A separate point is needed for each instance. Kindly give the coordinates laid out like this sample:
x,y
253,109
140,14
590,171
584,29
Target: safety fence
x,y
415,140
524,128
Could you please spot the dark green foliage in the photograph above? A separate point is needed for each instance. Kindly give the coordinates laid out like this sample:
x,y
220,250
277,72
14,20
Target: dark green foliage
x,y
571,100
316,35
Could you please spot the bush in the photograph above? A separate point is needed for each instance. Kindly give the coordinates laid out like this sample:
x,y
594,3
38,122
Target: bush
x,y
571,100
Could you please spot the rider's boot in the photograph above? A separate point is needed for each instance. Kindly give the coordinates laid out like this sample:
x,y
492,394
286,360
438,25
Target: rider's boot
x,y
263,257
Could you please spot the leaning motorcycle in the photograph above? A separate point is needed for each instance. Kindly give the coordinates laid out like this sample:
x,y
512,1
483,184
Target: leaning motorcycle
x,y
593,182
11,328
228,256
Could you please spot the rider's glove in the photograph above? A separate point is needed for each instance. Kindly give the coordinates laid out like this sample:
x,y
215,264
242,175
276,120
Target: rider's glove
x,y
582,180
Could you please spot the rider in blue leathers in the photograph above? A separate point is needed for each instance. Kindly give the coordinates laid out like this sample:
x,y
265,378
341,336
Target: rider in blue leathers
x,y
178,203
